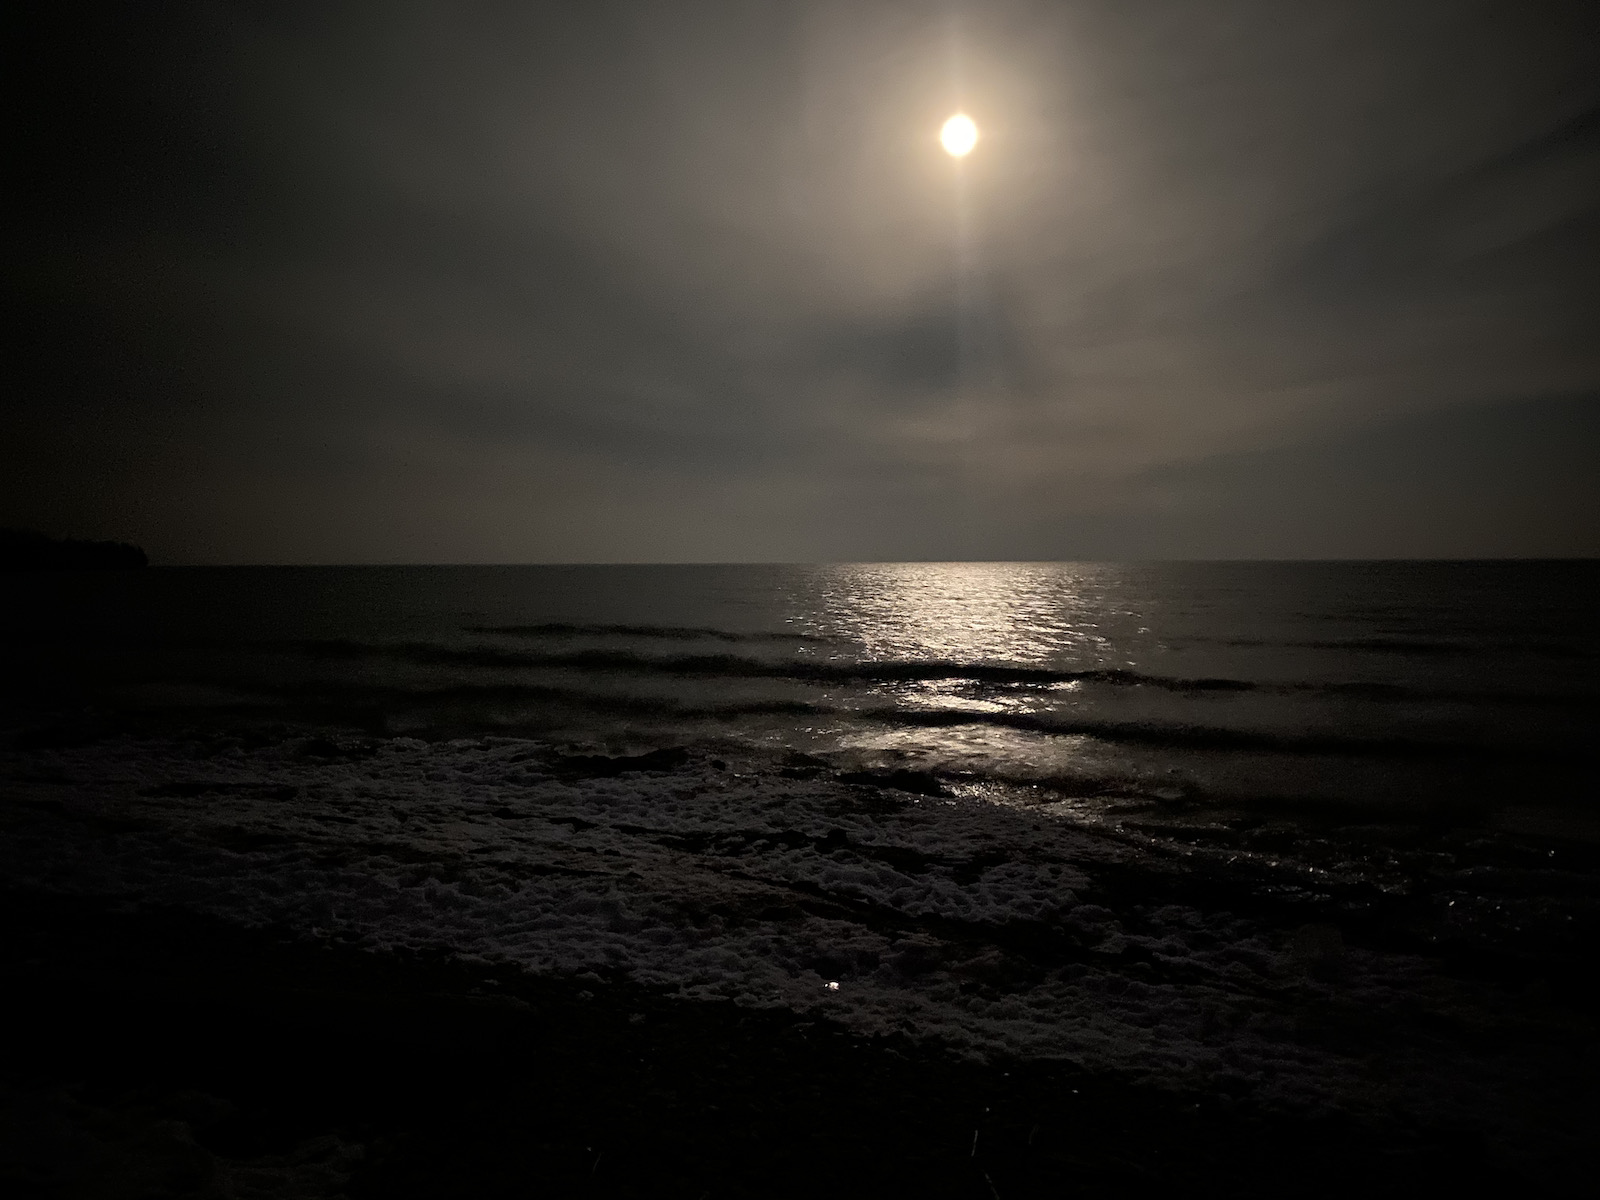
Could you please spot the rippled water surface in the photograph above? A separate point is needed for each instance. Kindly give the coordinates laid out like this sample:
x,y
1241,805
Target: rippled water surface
x,y
1274,829
1421,686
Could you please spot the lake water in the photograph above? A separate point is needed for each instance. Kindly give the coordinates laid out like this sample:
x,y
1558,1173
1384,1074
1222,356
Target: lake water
x,y
1233,823
1406,690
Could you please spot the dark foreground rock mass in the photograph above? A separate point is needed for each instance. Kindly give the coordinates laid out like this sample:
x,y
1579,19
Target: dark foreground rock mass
x,y
24,550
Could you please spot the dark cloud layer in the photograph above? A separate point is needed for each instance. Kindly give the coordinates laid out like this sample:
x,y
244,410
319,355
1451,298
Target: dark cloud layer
x,y
519,282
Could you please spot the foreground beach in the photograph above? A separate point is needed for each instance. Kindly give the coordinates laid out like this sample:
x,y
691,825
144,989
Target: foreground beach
x,y
168,1055
239,980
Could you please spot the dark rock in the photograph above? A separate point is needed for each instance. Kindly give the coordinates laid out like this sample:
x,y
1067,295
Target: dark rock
x,y
25,550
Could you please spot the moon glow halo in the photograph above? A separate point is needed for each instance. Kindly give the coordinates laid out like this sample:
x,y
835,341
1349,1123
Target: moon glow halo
x,y
959,135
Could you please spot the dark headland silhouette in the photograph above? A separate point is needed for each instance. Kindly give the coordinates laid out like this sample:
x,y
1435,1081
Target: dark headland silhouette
x,y
25,550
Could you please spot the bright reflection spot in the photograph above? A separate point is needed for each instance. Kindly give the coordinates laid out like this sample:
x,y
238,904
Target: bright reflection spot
x,y
957,696
1025,614
969,642
959,135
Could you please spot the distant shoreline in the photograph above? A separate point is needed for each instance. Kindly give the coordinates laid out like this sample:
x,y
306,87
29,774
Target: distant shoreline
x,y
24,550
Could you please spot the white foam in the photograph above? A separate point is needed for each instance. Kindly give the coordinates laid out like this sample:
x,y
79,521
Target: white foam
x,y
696,882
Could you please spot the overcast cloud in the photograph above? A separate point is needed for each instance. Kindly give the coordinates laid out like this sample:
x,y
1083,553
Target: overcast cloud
x,y
661,281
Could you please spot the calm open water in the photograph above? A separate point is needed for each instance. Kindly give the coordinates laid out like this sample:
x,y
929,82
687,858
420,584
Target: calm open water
x,y
1449,692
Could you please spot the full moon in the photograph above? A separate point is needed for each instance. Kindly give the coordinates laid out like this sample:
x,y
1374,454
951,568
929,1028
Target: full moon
x,y
959,135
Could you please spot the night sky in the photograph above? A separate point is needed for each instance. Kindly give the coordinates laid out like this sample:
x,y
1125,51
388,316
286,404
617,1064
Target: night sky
x,y
470,282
